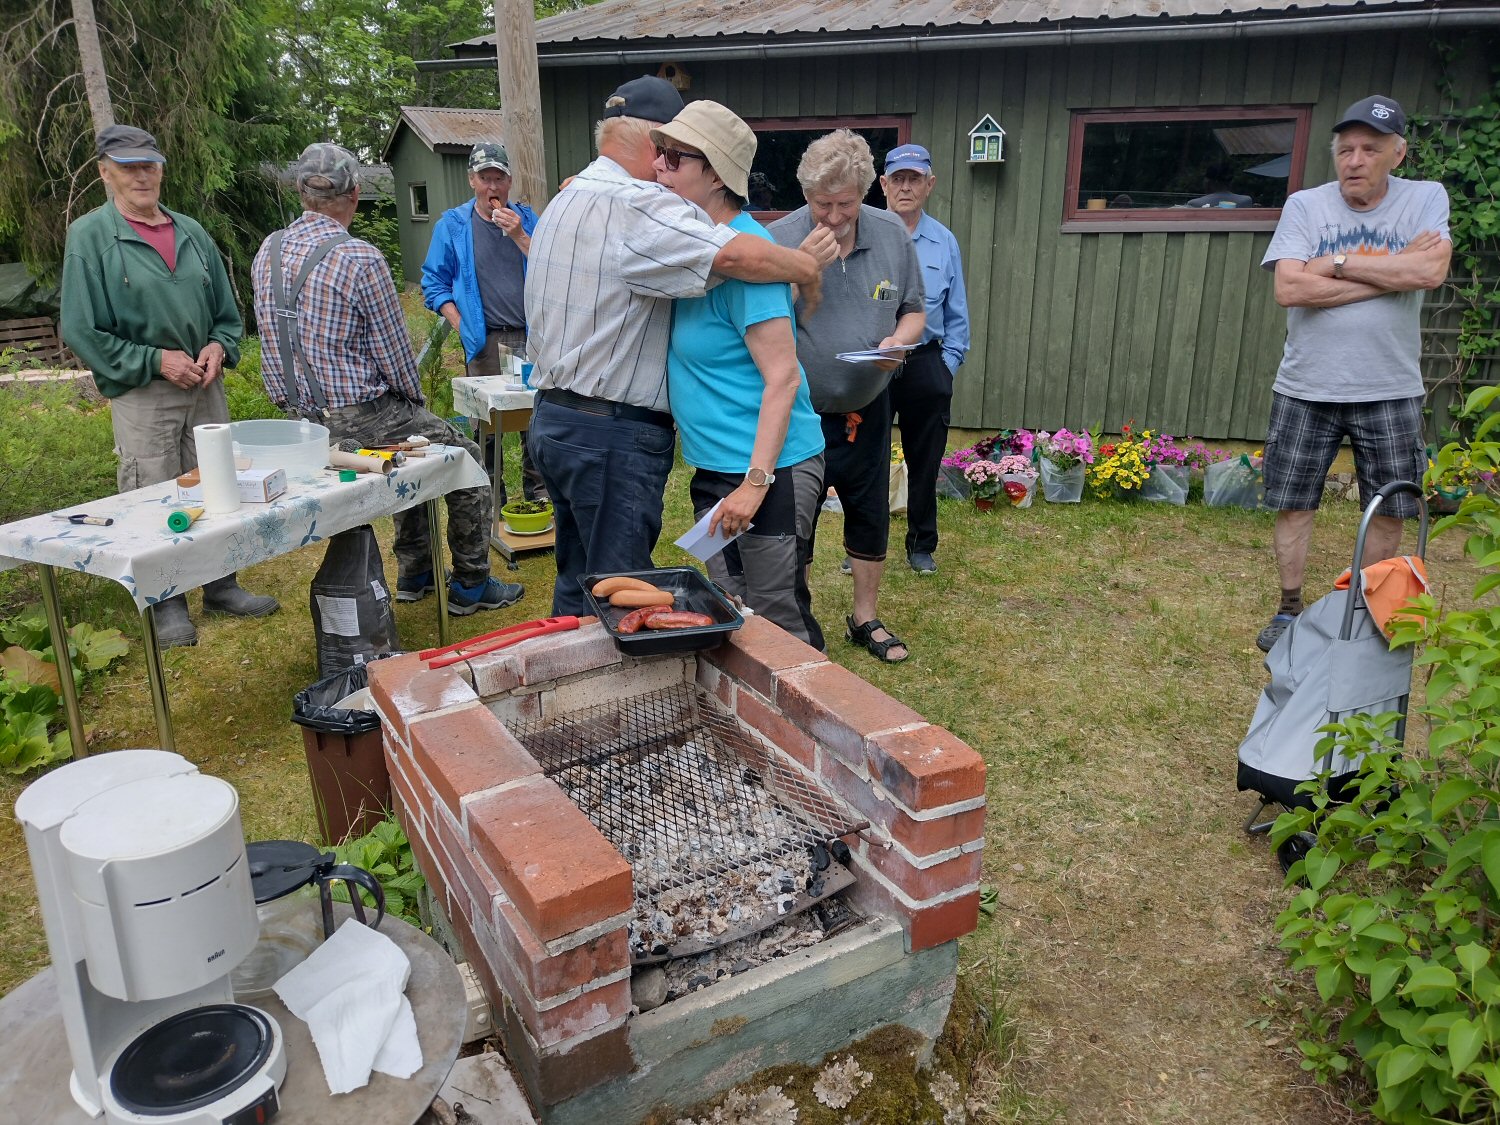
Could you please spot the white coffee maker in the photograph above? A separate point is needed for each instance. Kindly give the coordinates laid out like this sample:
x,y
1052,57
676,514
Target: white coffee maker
x,y
140,868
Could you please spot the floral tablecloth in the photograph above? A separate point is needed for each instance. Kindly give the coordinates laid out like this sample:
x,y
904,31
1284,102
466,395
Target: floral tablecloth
x,y
476,397
152,562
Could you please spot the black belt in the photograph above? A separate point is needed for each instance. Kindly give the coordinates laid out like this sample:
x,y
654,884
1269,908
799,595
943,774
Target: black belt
x,y
505,328
604,407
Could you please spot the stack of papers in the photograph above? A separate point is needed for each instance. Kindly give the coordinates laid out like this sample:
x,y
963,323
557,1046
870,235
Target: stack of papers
x,y
895,351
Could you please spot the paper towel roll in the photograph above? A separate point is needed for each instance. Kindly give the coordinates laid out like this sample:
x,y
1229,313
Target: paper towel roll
x,y
221,492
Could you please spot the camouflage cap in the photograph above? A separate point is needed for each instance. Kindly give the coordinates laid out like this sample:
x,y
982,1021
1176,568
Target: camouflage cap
x,y
327,167
489,156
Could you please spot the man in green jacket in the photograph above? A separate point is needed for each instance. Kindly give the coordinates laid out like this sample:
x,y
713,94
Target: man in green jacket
x,y
147,304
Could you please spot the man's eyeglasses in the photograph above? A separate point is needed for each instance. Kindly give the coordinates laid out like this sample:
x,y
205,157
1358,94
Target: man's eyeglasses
x,y
673,156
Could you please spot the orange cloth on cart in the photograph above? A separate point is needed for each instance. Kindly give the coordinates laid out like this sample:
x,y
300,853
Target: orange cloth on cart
x,y
1388,586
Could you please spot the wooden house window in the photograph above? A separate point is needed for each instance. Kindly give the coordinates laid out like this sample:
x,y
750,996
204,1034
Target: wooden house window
x,y
1212,168
418,196
774,190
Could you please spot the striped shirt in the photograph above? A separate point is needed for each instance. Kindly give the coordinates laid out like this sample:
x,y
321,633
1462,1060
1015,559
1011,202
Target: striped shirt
x,y
608,256
348,318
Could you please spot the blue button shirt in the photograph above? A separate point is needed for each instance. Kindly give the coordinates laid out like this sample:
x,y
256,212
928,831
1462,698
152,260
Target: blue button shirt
x,y
943,276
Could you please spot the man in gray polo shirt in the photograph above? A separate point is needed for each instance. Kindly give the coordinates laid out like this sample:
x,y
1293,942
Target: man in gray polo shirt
x,y
608,256
872,298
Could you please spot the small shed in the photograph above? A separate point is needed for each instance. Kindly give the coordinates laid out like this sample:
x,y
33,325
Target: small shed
x,y
428,151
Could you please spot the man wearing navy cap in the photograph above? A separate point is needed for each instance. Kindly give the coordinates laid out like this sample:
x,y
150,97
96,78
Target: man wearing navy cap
x,y
1351,259
922,391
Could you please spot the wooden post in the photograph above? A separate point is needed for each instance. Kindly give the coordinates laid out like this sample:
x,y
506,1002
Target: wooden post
x,y
521,99
92,58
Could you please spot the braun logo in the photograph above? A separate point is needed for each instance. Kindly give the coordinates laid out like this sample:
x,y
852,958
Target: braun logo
x,y
215,956
1380,111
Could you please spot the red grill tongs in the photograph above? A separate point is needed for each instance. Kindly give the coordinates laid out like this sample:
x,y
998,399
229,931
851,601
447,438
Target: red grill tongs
x,y
500,638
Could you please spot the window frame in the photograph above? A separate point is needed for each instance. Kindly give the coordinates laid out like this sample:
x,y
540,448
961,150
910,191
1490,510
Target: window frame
x,y
1079,220
411,200
826,124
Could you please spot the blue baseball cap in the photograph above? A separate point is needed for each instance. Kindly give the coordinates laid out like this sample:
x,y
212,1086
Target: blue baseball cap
x,y
914,157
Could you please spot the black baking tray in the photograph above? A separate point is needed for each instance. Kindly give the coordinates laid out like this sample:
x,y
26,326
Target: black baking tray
x,y
691,590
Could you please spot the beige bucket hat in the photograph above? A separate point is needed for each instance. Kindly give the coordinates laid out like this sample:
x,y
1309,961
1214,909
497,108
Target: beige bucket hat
x,y
721,136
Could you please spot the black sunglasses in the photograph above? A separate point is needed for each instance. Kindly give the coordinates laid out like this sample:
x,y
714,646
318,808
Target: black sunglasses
x,y
673,156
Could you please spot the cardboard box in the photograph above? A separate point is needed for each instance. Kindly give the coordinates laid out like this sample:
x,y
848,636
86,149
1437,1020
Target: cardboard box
x,y
257,486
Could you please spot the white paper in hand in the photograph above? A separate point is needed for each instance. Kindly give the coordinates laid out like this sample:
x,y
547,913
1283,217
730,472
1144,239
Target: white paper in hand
x,y
349,992
698,542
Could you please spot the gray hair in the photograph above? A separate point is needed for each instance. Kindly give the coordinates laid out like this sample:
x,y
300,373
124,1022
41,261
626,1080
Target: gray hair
x,y
839,160
627,131
1401,145
321,199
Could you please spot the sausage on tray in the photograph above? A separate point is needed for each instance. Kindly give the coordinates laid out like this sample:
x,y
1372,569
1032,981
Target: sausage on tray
x,y
678,619
632,621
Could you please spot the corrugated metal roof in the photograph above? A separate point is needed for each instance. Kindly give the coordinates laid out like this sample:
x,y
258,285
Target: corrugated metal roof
x,y
461,128
630,20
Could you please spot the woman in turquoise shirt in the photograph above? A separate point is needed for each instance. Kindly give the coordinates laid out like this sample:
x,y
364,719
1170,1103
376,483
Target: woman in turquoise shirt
x,y
738,394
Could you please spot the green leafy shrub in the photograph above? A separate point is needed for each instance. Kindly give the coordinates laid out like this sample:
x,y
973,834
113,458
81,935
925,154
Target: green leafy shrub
x,y
243,386
386,853
56,450
1397,918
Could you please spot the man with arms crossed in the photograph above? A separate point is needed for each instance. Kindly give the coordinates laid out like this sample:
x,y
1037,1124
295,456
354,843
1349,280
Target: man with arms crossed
x,y
1351,260
610,253
872,298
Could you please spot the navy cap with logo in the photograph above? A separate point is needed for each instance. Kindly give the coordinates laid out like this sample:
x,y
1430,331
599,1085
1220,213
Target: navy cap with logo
x,y
1378,112
648,97
127,145
489,156
914,157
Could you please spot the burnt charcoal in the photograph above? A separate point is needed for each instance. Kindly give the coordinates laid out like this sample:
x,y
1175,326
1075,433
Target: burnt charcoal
x,y
840,851
819,856
787,885
699,981
658,950
750,777
815,887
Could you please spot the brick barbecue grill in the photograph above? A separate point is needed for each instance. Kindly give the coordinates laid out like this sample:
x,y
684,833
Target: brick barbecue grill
x,y
495,761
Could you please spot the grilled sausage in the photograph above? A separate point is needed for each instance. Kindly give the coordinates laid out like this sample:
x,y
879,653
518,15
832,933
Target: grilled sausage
x,y
678,619
632,621
636,598
607,586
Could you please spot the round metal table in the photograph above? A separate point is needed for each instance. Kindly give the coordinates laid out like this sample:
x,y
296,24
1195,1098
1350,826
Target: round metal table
x,y
35,1064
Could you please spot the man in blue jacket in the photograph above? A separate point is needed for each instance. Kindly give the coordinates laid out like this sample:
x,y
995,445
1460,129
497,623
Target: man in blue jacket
x,y
475,277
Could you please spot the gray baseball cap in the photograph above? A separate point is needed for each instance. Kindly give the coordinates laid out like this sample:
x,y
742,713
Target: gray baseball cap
x,y
125,144
325,166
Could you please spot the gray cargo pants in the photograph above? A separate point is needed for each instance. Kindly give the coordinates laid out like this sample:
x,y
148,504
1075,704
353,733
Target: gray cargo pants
x,y
387,420
154,429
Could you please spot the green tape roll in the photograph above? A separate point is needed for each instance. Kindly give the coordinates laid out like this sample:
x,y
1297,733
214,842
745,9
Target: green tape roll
x,y
179,520
347,475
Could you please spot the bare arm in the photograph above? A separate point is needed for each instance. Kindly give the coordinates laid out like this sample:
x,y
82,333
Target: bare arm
x,y
750,258
1423,264
449,312
1299,287
773,346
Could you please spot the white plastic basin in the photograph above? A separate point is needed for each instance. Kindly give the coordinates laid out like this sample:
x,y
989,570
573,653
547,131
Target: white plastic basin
x,y
299,447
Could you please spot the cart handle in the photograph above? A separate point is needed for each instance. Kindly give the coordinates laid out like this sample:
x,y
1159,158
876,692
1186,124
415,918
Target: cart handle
x,y
1386,491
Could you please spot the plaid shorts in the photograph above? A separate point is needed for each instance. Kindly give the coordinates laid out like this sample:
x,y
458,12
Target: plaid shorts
x,y
1304,437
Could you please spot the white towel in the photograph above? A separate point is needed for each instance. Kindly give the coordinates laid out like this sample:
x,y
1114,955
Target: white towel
x,y
351,994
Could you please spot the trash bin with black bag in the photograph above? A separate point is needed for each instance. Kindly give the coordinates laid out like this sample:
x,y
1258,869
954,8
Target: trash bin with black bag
x,y
345,760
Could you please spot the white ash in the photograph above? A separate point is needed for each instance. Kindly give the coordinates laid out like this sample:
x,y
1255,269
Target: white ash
x,y
691,974
691,821
840,1081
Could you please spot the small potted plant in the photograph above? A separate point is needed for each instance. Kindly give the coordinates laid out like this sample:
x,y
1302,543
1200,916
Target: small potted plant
x,y
1017,479
985,483
1170,477
527,517
1063,458
1119,470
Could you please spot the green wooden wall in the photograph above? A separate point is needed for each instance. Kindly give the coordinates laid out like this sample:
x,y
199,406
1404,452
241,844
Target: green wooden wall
x,y
1176,331
446,175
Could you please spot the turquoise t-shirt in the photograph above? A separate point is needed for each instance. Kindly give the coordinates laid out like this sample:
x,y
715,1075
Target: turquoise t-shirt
x,y
713,383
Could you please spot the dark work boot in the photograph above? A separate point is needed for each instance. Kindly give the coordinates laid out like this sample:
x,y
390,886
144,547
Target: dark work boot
x,y
173,627
223,595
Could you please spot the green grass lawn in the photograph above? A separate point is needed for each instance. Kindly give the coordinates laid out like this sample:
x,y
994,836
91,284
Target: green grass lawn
x,y
1099,656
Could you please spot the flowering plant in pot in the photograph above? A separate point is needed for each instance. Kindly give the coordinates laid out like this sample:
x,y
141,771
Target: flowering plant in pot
x,y
985,483
1017,479
527,517
1119,468
1169,476
1063,457
1007,443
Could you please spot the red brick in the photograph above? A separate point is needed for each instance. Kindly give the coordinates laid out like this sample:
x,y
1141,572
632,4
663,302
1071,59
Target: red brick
x,y
554,1075
495,674
463,866
924,882
405,688
589,648
756,713
548,976
920,837
560,873
926,768
925,926
467,751
582,1014
754,653
839,709
713,680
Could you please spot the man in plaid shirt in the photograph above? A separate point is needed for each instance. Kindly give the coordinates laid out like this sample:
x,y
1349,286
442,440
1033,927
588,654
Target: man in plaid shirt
x,y
337,351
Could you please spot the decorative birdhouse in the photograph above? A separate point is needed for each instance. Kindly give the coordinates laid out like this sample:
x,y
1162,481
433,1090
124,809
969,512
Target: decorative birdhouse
x,y
987,142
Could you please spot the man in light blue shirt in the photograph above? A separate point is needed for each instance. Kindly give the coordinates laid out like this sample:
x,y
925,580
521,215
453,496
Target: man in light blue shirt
x,y
923,389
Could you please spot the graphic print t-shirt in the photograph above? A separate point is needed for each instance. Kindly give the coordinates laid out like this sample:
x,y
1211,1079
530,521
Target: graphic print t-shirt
x,y
1367,351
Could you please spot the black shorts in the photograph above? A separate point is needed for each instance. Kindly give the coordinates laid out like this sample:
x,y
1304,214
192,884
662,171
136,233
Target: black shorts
x,y
860,470
1304,437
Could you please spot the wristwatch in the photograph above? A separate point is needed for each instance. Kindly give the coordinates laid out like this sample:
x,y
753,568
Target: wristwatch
x,y
1338,264
758,477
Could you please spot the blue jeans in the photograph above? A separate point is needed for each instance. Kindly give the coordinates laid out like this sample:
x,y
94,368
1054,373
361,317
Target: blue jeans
x,y
606,477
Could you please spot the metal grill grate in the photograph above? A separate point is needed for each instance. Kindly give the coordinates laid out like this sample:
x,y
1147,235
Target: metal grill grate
x,y
721,839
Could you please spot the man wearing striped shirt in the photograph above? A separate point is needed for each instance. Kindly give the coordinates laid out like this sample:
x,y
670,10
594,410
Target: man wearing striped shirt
x,y
336,350
608,257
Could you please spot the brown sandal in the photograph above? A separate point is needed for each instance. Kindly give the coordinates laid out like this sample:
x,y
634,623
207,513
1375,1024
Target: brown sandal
x,y
865,635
